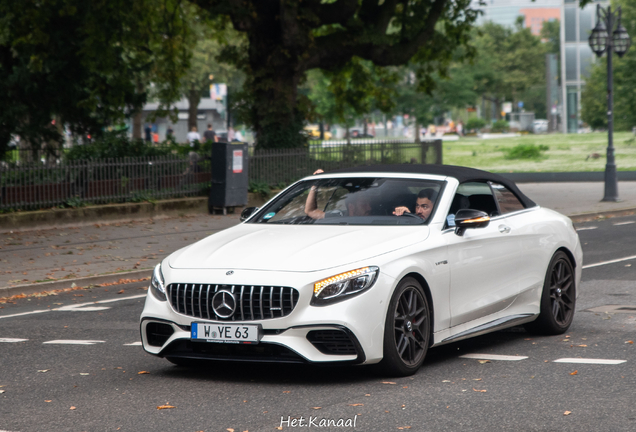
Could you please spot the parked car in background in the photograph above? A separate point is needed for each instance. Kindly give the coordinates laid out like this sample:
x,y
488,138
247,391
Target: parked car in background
x,y
540,126
313,131
368,265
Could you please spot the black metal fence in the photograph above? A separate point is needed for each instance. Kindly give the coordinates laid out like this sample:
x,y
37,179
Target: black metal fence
x,y
42,184
77,183
284,166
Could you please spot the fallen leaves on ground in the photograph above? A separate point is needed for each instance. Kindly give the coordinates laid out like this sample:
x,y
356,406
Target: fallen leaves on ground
x,y
567,413
484,361
387,382
73,408
629,342
44,370
142,372
404,427
576,372
160,407
356,404
316,408
479,391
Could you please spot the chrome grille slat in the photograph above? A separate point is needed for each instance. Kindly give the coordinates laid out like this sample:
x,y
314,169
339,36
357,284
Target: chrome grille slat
x,y
260,303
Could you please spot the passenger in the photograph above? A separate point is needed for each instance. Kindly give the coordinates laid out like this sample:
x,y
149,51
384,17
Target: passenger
x,y
357,204
423,204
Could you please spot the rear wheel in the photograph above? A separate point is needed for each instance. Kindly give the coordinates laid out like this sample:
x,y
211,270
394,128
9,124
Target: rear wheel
x,y
407,330
558,299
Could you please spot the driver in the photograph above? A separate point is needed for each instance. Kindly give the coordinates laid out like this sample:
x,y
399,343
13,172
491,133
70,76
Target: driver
x,y
423,204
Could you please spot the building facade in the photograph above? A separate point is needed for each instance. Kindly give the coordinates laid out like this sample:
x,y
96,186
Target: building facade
x,y
576,58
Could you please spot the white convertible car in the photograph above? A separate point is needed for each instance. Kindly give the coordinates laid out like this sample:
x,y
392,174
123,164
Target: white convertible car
x,y
367,265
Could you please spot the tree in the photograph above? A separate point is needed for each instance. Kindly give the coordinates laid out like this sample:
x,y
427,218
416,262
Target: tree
x,y
289,37
85,64
594,94
213,36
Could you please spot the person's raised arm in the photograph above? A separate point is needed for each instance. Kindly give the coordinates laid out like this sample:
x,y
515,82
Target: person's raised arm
x,y
311,205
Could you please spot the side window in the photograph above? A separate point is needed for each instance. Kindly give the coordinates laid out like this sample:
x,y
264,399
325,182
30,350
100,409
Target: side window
x,y
480,197
508,202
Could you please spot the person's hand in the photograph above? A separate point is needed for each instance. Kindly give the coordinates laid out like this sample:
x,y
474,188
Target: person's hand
x,y
399,211
318,171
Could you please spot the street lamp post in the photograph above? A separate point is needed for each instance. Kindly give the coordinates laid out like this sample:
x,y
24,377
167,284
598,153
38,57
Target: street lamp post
x,y
603,39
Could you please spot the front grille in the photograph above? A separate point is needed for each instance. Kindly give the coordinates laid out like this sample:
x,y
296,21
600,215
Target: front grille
x,y
252,302
335,342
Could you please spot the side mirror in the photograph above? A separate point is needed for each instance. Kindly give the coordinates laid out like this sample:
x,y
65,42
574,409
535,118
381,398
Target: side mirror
x,y
247,212
468,218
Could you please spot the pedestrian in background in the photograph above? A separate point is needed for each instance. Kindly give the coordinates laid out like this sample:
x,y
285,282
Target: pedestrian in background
x,y
210,135
193,136
148,133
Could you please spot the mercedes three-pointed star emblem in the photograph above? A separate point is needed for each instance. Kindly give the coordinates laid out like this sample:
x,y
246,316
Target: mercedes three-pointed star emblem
x,y
224,304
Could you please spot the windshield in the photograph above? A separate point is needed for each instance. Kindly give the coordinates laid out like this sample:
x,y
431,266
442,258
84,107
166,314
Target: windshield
x,y
354,201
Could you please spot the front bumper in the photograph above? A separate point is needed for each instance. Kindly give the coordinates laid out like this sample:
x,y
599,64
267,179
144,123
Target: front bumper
x,y
350,331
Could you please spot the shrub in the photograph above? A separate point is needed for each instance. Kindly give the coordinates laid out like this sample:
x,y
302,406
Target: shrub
x,y
500,126
526,151
475,123
115,144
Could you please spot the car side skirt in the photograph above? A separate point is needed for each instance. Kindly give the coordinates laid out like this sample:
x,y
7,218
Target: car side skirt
x,y
498,324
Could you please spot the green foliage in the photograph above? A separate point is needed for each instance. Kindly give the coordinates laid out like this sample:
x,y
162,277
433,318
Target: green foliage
x,y
526,151
74,202
85,64
115,145
289,38
475,123
259,187
594,94
500,126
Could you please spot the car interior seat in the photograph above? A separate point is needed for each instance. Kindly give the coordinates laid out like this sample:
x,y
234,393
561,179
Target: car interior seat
x,y
485,203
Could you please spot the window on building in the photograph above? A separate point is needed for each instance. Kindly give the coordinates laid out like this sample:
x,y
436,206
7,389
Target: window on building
x,y
586,58
570,63
570,24
586,18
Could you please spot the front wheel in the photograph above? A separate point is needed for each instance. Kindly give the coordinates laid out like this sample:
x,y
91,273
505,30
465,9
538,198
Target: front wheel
x,y
558,298
407,330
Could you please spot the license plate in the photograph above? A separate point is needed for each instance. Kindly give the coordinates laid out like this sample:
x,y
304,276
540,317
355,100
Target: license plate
x,y
225,333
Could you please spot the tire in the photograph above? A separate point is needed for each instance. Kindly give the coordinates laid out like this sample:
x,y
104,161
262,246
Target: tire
x,y
558,299
407,330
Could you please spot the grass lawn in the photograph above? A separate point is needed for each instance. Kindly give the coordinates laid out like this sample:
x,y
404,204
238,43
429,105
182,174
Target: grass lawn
x,y
567,152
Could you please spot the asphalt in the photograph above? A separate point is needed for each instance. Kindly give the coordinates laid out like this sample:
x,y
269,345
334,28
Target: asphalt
x,y
80,253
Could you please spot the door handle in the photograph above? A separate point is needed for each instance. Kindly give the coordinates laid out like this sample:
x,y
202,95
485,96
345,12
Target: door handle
x,y
504,229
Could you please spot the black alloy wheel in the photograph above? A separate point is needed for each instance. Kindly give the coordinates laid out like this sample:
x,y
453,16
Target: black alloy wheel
x,y
558,299
407,329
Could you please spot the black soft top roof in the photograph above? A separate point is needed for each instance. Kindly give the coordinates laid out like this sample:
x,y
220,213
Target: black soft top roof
x,y
462,174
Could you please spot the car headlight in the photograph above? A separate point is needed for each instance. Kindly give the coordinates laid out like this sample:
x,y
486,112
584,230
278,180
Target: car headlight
x,y
157,286
344,285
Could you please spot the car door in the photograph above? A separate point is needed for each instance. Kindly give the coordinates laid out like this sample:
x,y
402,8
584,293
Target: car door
x,y
484,262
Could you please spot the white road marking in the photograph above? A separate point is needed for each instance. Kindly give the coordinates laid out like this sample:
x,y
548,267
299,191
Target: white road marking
x,y
609,262
133,344
624,223
493,357
589,361
10,340
80,307
586,228
73,342
26,313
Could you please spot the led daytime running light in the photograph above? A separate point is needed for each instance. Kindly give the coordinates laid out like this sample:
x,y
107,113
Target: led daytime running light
x,y
318,286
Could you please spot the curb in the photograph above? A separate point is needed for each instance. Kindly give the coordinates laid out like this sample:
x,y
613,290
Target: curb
x,y
566,177
136,274
68,283
60,218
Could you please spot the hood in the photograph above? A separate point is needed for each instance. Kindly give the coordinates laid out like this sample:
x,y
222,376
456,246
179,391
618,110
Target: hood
x,y
294,248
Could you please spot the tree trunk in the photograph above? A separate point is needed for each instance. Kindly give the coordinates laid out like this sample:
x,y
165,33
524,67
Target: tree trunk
x,y
277,114
194,97
417,130
137,125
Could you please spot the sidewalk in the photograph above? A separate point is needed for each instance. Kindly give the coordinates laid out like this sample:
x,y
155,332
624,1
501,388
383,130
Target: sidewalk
x,y
49,259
